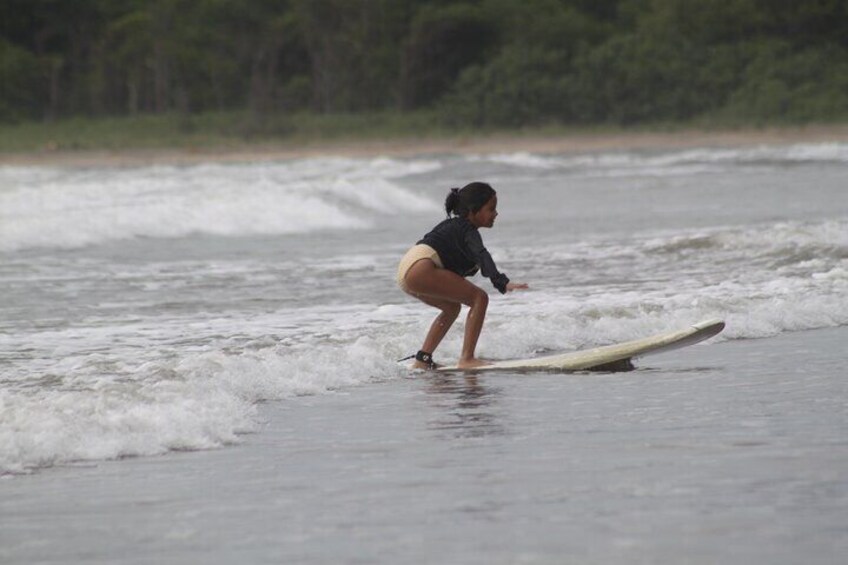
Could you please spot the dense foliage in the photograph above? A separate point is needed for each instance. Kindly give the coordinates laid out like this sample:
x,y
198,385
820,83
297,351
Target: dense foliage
x,y
473,62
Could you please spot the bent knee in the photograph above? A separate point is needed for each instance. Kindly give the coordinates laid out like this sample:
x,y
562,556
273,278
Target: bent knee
x,y
480,298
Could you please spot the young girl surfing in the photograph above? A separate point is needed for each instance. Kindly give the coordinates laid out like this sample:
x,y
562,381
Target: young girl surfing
x,y
434,271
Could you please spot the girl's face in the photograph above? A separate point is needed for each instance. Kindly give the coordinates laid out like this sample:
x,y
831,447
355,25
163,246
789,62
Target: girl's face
x,y
485,216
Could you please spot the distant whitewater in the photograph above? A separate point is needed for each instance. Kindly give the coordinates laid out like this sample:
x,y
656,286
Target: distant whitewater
x,y
150,309
76,207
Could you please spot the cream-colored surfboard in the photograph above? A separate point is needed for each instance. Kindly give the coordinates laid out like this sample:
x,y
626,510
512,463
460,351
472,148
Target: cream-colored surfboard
x,y
616,357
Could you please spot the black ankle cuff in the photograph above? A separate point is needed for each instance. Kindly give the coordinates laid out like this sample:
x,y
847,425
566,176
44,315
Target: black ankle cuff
x,y
426,358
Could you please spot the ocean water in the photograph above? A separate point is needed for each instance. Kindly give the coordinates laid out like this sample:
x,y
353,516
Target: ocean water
x,y
168,309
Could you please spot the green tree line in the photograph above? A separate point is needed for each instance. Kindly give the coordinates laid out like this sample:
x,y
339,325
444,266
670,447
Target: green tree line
x,y
472,62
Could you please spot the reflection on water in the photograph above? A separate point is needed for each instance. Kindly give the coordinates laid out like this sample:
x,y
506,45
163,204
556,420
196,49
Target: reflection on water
x,y
467,408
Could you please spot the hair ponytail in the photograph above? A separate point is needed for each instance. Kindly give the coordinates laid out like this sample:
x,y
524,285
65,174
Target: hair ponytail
x,y
472,197
452,201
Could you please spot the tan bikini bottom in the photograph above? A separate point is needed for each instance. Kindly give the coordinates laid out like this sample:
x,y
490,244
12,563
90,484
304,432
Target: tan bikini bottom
x,y
415,254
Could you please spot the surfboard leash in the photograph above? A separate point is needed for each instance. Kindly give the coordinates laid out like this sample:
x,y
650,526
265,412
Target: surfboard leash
x,y
422,356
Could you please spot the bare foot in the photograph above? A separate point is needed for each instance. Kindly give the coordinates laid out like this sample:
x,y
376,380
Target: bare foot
x,y
472,363
425,366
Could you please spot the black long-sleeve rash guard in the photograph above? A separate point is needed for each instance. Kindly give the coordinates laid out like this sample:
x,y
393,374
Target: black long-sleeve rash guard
x,y
461,250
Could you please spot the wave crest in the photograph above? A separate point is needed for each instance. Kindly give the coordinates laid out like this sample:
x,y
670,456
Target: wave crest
x,y
68,208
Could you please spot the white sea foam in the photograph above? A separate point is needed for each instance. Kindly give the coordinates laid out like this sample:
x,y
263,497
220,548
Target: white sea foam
x,y
104,356
794,278
141,386
69,208
675,163
89,406
100,405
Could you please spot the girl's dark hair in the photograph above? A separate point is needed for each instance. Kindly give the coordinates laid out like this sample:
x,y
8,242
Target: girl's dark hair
x,y
469,198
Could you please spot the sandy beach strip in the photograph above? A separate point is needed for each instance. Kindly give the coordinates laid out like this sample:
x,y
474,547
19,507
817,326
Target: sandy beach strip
x,y
566,143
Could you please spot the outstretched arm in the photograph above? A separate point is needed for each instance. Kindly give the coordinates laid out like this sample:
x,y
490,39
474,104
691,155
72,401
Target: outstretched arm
x,y
481,256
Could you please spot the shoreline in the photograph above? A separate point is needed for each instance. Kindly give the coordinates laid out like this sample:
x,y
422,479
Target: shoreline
x,y
534,142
